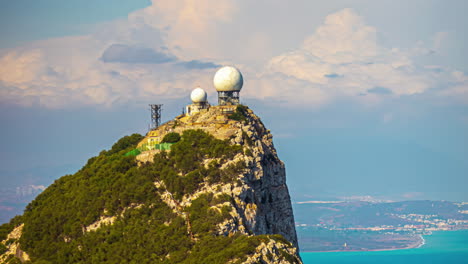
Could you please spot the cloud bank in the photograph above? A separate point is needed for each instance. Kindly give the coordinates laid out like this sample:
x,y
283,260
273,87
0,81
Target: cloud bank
x,y
343,59
163,51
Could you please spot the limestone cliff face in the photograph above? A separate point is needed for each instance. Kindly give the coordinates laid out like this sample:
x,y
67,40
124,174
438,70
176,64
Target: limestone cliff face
x,y
262,201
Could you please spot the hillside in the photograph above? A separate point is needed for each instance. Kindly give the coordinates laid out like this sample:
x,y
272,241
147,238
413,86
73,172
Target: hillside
x,y
206,188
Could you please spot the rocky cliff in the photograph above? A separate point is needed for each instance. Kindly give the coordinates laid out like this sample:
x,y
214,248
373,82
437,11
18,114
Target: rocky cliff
x,y
219,195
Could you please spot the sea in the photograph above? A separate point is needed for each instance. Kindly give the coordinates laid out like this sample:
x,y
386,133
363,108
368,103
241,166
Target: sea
x,y
441,247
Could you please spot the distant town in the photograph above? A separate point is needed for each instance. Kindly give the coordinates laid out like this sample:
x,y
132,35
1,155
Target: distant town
x,y
374,225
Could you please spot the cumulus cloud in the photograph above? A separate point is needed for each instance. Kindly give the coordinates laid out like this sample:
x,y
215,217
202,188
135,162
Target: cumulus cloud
x,y
121,61
166,49
343,58
50,79
344,37
21,67
191,28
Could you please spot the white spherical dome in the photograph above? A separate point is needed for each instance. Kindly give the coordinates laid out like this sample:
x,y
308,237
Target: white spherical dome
x,y
198,95
228,79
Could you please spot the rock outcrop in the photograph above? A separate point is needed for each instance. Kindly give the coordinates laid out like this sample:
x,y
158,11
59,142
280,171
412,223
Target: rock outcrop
x,y
13,247
263,203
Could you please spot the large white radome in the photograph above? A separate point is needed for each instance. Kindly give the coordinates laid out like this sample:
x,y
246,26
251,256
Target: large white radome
x,y
228,79
198,95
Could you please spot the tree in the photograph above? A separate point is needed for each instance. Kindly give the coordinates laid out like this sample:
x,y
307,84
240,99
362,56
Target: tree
x,y
172,137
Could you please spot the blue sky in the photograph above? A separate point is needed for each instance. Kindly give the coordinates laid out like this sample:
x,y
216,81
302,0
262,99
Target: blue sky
x,y
27,20
363,97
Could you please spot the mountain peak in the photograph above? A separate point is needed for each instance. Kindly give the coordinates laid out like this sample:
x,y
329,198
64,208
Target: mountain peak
x,y
205,187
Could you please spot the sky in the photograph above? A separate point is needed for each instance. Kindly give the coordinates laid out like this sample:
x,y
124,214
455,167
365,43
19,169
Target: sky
x,y
363,97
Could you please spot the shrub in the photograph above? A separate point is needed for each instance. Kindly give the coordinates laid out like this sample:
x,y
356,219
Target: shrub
x,y
5,229
171,137
240,114
288,257
246,138
125,143
3,249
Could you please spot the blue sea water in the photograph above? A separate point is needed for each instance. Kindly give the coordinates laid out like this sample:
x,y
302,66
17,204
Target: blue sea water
x,y
442,247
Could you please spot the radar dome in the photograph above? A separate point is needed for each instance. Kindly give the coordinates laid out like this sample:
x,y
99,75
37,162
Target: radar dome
x,y
228,79
198,95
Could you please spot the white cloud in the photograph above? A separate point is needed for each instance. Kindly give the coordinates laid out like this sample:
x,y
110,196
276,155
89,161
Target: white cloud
x,y
342,58
70,71
190,28
458,90
343,38
43,77
21,67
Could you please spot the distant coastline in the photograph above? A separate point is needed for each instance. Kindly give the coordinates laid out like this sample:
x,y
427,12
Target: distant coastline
x,y
440,247
328,226
421,242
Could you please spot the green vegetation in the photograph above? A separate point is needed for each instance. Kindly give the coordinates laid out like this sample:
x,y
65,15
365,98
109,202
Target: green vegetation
x,y
248,152
146,230
5,229
222,249
125,143
186,158
240,114
247,139
109,182
204,217
286,256
11,259
3,248
171,137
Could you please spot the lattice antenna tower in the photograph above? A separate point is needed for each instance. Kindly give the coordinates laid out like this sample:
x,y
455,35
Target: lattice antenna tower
x,y
155,116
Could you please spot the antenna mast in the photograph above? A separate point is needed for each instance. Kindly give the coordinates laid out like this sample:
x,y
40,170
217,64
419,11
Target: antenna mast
x,y
155,116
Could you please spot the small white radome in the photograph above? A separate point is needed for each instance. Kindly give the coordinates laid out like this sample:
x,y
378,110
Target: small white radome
x,y
198,95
